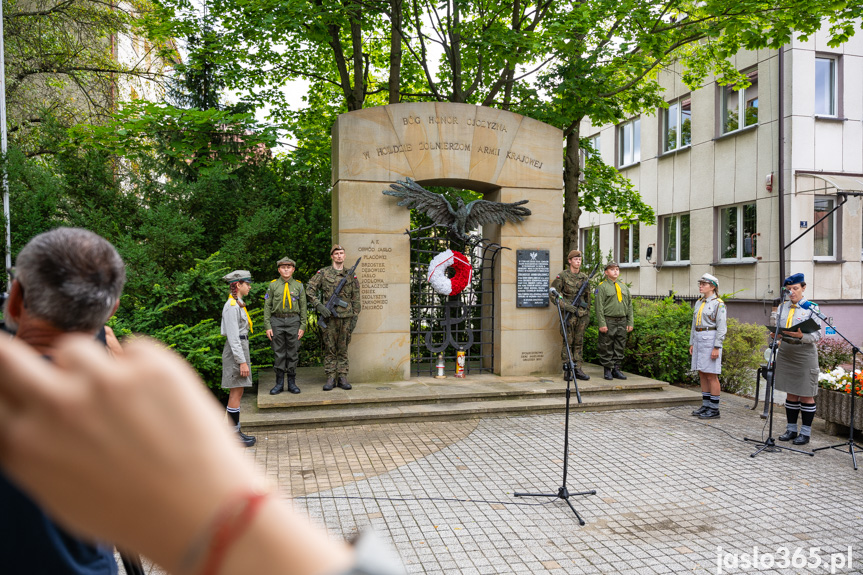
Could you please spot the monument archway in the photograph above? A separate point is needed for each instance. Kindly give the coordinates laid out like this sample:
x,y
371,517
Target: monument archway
x,y
505,156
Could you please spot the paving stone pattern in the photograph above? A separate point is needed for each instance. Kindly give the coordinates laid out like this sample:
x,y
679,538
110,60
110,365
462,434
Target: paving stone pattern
x,y
670,490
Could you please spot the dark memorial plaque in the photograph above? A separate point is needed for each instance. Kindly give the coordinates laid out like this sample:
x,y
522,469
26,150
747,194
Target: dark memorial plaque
x,y
532,272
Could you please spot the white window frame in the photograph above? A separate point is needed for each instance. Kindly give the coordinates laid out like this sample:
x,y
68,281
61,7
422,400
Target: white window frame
x,y
666,116
834,86
831,220
633,258
585,232
677,239
634,143
741,105
740,239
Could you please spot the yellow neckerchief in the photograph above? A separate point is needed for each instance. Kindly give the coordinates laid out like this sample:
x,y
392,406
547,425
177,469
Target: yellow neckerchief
x,y
617,289
287,292
790,315
700,309
233,302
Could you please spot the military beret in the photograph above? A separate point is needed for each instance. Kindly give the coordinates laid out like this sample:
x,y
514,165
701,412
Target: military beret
x,y
709,279
286,261
335,248
238,276
573,254
611,264
793,279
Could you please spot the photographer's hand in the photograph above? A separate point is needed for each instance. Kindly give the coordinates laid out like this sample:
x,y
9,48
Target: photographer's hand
x,y
136,451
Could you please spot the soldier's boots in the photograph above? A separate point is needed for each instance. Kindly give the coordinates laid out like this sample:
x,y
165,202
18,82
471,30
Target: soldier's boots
x,y
331,383
615,372
280,383
292,384
343,382
580,374
700,410
607,373
246,440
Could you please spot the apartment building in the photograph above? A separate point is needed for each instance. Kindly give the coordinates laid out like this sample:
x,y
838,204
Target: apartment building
x,y
709,166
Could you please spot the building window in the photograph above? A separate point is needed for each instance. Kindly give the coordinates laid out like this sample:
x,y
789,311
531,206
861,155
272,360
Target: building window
x,y
629,135
677,125
740,107
590,246
675,239
825,231
825,87
627,244
594,143
737,229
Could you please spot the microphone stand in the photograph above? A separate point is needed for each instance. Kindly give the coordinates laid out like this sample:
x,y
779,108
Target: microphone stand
x,y
850,443
770,444
569,377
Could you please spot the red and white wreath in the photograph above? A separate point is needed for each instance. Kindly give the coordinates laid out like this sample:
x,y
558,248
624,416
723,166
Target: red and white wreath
x,y
437,272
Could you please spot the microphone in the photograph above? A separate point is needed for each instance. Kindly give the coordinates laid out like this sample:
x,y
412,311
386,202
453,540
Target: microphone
x,y
808,305
554,292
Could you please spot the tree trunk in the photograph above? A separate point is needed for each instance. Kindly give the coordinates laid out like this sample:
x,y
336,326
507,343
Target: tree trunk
x,y
395,51
571,175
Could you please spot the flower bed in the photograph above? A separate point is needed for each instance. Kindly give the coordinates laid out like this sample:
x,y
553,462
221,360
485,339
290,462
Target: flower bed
x,y
834,399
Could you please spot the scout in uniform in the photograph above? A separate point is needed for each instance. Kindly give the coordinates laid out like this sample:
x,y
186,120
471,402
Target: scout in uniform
x,y
567,283
614,317
705,345
340,325
797,362
236,326
285,321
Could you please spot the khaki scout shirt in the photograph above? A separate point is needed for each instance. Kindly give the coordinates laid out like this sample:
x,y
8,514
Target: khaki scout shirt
x,y
276,300
607,305
323,284
713,315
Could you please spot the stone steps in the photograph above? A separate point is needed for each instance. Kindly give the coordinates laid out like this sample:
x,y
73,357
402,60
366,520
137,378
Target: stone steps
x,y
481,395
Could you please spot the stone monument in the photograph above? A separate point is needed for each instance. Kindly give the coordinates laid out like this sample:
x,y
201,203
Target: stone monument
x,y
506,157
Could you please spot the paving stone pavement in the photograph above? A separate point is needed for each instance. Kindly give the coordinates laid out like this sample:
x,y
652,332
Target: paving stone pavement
x,y
671,489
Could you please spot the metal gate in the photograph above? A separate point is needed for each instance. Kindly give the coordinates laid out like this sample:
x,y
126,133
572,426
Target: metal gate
x,y
443,324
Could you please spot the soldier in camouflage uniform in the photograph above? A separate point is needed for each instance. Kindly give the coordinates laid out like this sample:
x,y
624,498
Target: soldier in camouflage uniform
x,y
337,334
567,283
285,321
614,318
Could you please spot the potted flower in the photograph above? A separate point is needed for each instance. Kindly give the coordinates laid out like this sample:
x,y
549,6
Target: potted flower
x,y
834,397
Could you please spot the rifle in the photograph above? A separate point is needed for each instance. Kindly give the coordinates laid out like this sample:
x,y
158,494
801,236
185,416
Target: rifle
x,y
335,300
581,292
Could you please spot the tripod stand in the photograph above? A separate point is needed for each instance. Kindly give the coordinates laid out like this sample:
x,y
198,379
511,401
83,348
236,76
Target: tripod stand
x,y
769,444
569,377
850,443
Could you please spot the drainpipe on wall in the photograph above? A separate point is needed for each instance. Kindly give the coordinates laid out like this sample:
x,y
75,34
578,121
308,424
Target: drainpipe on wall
x,y
781,180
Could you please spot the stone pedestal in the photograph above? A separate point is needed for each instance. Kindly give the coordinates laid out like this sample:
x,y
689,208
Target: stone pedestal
x,y
505,156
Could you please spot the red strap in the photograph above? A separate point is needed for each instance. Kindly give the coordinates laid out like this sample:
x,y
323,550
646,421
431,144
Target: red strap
x,y
228,527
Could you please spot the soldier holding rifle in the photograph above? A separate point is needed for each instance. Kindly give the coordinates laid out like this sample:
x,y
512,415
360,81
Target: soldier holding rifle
x,y
334,292
568,283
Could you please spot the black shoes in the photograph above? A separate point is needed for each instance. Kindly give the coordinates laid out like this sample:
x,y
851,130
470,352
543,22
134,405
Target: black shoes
x,y
607,373
292,384
710,413
246,440
343,382
615,372
788,436
331,383
580,374
280,383
801,440
700,410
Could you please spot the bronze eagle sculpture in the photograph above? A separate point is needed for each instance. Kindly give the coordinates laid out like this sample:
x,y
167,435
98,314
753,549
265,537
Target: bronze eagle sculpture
x,y
463,218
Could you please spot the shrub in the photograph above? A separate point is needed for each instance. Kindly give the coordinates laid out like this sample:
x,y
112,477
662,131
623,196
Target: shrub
x,y
832,353
742,353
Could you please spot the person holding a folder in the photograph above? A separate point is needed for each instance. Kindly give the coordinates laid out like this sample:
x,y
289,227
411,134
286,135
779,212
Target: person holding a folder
x,y
797,360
